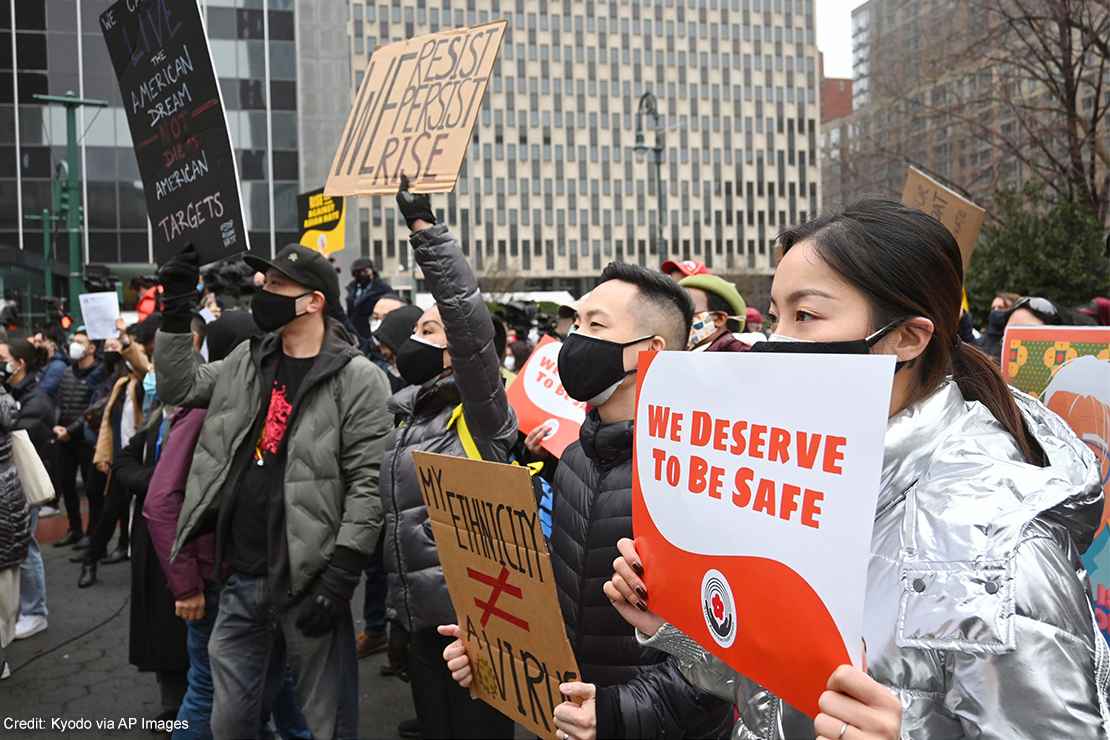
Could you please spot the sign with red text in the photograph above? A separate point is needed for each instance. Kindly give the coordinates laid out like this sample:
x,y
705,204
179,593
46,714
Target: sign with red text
x,y
414,112
753,511
498,572
538,398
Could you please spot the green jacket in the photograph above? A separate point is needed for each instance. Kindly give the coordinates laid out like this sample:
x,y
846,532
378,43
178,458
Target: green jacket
x,y
334,443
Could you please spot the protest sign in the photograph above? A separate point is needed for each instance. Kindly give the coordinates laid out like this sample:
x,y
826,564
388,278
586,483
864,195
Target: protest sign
x,y
753,512
962,217
1031,355
1080,393
498,572
414,112
176,116
100,312
538,398
323,220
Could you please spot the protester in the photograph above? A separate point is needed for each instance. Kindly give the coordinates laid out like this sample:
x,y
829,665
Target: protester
x,y
22,362
15,529
124,412
287,467
678,269
391,335
452,365
1098,310
753,327
384,306
1034,311
50,378
718,310
564,322
363,294
987,500
1004,301
631,692
75,441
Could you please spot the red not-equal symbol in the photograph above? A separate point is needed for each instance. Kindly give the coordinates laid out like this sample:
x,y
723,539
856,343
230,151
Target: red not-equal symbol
x,y
500,584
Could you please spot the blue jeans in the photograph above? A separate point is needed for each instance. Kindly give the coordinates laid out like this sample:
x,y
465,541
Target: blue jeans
x,y
32,577
196,707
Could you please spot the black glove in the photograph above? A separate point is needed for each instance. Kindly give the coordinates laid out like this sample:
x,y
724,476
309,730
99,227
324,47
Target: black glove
x,y
178,277
414,206
325,603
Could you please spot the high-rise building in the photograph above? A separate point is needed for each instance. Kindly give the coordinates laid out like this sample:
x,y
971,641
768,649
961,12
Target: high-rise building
x,y
285,79
836,112
553,187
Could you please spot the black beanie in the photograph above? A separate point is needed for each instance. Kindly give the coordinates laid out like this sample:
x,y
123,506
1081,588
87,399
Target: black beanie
x,y
397,326
228,332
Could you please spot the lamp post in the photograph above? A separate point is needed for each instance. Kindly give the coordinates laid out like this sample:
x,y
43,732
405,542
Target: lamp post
x,y
649,106
74,213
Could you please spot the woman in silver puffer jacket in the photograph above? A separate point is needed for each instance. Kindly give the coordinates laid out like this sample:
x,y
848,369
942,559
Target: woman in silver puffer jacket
x,y
15,528
978,615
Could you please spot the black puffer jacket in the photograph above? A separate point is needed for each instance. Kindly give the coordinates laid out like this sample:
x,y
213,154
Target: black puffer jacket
x,y
641,692
15,517
76,392
418,595
37,414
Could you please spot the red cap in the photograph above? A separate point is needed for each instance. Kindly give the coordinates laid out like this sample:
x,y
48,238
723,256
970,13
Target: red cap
x,y
754,316
686,267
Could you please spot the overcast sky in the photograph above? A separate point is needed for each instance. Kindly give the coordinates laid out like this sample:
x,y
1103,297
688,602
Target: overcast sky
x,y
834,35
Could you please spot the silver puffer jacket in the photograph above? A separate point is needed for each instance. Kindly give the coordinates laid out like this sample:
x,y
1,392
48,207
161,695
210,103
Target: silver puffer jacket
x,y
977,614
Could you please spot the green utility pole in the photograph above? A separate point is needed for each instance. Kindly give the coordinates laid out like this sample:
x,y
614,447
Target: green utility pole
x,y
47,267
74,213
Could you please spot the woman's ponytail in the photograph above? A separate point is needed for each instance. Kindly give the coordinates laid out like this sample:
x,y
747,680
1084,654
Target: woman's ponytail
x,y
979,380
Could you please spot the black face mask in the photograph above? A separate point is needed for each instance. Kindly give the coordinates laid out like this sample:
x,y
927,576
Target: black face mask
x,y
848,347
271,311
592,368
996,320
418,361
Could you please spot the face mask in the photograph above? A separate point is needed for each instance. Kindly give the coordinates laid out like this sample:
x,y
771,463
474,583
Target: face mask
x,y
701,329
10,368
271,311
996,320
783,343
510,363
76,351
150,391
591,369
419,361
362,279
375,324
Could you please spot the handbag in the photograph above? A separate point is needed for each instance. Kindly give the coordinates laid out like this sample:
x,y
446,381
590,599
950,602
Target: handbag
x,y
37,486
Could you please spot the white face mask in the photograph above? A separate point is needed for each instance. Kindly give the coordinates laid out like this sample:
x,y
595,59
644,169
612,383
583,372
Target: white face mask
x,y
375,324
510,363
784,338
701,329
10,368
76,351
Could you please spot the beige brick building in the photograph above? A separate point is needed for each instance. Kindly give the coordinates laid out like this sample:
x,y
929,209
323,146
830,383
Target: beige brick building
x,y
553,187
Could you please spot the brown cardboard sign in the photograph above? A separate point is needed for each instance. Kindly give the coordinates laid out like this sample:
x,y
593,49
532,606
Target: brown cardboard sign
x,y
962,217
415,112
487,529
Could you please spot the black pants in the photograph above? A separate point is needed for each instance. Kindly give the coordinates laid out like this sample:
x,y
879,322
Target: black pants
x,y
116,509
74,455
444,708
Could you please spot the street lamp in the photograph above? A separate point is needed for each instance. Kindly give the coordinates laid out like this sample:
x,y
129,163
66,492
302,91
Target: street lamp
x,y
649,106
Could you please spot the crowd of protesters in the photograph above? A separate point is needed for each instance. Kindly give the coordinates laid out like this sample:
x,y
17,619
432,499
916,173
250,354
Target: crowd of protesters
x,y
250,440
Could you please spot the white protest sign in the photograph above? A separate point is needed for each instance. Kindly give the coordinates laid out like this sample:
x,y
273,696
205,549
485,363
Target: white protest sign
x,y
100,311
753,510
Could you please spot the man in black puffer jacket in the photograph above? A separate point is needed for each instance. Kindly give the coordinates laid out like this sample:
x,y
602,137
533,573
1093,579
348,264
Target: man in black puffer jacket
x,y
632,692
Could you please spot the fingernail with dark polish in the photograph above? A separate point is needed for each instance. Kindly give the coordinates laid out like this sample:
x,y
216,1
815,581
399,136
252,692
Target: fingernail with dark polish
x,y
643,592
641,606
638,569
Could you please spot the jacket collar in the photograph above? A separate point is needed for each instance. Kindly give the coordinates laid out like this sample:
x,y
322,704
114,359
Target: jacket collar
x,y
337,350
429,398
608,445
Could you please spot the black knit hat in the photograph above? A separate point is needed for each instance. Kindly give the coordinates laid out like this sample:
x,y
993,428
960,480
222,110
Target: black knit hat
x,y
397,326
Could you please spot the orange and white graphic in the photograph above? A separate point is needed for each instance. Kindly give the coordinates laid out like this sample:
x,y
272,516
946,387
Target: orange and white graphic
x,y
538,398
753,506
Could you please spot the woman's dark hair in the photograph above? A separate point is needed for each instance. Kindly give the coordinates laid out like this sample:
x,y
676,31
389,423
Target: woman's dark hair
x,y
34,357
908,264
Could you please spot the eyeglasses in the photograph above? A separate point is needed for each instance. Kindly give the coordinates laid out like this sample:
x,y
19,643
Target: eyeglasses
x,y
1042,307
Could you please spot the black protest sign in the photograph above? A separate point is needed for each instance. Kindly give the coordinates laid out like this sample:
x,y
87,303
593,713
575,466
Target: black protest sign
x,y
414,112
176,115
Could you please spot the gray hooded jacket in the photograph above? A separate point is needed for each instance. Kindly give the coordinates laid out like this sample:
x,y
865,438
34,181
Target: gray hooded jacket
x,y
978,613
418,595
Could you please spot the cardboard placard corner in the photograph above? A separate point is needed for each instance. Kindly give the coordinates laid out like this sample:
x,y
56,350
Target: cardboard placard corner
x,y
99,311
415,112
958,214
486,527
795,468
538,398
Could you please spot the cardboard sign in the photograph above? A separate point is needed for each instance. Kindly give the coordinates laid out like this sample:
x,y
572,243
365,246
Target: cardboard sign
x,y
962,217
174,109
323,220
498,572
100,312
1031,355
538,398
753,512
415,111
